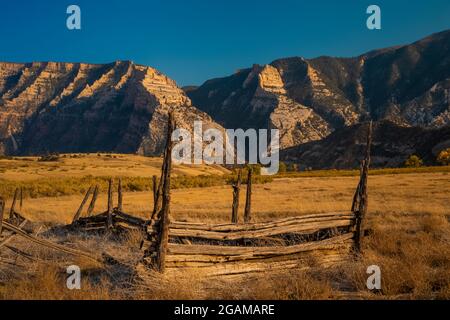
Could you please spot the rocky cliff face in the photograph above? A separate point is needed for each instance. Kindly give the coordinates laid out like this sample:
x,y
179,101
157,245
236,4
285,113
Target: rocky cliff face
x,y
309,99
76,107
391,146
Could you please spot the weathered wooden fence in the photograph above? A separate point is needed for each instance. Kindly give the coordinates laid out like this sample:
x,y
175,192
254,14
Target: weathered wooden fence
x,y
232,248
228,248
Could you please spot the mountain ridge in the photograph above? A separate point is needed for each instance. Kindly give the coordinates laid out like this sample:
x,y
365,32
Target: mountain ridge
x,y
408,84
122,106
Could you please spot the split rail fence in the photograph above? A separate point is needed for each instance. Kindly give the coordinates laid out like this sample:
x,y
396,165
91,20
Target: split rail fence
x,y
218,249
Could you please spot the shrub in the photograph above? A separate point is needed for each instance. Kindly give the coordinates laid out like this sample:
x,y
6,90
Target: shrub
x,y
413,162
444,157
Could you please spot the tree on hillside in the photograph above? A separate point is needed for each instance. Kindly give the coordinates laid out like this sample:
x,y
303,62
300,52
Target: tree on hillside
x,y
413,162
444,157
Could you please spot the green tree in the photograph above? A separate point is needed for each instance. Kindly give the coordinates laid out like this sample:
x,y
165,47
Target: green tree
x,y
413,162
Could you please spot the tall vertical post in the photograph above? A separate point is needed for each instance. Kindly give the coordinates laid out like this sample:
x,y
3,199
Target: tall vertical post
x,y
235,208
155,194
248,199
165,208
109,222
21,198
158,200
360,208
119,196
2,209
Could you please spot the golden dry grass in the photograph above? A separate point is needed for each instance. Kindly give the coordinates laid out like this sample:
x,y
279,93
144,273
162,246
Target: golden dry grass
x,y
95,164
409,214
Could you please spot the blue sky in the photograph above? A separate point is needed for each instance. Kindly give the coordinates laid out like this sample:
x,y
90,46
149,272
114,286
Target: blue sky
x,y
194,40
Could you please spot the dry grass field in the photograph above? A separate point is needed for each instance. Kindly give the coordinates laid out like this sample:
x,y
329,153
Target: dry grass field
x,y
408,213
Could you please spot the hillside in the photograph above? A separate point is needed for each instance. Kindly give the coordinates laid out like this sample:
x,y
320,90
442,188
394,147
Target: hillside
x,y
307,99
76,107
391,146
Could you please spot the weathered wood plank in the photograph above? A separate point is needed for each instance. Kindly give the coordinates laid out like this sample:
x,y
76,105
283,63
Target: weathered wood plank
x,y
277,230
343,248
239,268
263,225
272,250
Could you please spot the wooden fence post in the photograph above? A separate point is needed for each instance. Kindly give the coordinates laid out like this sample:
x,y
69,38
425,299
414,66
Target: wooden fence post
x,y
248,200
119,196
235,208
2,209
155,194
93,200
165,209
360,208
158,199
109,222
21,198
80,209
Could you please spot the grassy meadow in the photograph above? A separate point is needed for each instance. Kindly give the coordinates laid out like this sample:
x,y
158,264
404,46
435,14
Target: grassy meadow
x,y
409,214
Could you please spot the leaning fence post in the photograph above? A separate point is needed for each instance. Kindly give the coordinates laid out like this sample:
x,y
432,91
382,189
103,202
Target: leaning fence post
x,y
2,208
236,188
78,213
248,200
362,205
165,209
119,196
12,211
109,222
93,200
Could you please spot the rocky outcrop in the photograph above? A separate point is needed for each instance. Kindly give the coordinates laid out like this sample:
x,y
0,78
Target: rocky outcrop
x,y
76,107
307,99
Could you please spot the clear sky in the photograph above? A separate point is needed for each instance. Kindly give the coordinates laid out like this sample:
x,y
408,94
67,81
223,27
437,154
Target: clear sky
x,y
194,40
